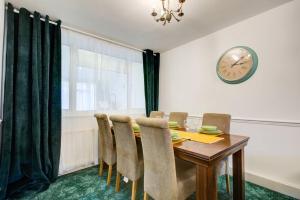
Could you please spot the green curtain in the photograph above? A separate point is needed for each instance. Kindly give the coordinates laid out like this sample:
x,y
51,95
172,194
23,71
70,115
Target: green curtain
x,y
31,129
151,80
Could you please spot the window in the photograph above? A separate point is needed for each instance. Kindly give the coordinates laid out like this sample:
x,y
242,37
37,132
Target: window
x,y
65,76
85,80
100,77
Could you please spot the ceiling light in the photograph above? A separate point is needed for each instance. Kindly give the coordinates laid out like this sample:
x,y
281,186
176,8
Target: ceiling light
x,y
166,13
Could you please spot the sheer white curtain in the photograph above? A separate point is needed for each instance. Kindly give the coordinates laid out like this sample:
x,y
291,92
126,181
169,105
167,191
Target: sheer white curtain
x,y
97,76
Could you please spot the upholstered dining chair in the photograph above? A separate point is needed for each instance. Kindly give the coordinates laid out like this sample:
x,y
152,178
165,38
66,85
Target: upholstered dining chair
x,y
157,114
179,117
165,178
222,121
129,154
106,144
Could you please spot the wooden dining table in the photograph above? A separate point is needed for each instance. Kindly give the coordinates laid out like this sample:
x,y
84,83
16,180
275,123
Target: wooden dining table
x,y
207,157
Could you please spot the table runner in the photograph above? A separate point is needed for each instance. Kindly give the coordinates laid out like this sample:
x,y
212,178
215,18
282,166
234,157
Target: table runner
x,y
198,137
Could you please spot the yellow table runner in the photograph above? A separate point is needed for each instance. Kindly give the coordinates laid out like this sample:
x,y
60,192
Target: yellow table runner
x,y
198,137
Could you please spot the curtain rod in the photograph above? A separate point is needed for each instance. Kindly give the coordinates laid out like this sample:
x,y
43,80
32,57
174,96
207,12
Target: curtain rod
x,y
86,33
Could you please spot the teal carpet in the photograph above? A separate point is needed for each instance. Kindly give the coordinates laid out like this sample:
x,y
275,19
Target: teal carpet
x,y
87,185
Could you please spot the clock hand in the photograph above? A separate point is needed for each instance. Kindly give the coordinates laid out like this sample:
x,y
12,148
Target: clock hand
x,y
242,63
235,63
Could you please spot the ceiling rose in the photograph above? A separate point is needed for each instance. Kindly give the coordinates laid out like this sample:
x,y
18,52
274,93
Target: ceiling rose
x,y
166,14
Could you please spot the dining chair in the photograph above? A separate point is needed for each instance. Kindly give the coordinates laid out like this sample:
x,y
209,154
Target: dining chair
x,y
179,117
157,114
129,154
165,177
222,121
106,145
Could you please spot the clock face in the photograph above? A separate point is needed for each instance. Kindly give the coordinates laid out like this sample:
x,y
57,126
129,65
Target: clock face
x,y
237,65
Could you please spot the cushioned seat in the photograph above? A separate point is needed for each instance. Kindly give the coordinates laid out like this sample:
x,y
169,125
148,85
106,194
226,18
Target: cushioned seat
x,y
129,154
157,114
179,117
222,121
107,149
164,178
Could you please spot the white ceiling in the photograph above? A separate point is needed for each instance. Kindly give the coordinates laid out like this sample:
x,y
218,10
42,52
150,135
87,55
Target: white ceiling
x,y
129,21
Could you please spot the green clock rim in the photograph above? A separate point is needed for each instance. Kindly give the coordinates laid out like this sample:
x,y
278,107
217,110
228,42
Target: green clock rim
x,y
249,74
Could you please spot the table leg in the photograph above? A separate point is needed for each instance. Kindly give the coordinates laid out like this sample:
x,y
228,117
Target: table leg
x,y
238,175
206,183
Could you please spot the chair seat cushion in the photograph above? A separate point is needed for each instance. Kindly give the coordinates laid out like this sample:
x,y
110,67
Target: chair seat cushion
x,y
186,178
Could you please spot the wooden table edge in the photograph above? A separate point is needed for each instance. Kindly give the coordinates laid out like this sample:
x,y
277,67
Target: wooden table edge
x,y
226,152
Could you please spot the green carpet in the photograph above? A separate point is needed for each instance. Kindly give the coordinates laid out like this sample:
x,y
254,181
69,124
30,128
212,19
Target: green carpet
x,y
87,185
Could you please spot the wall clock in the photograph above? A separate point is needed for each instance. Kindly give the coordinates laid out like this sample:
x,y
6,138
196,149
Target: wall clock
x,y
237,65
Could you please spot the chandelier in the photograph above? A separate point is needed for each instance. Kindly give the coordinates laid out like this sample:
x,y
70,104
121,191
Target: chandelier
x,y
166,13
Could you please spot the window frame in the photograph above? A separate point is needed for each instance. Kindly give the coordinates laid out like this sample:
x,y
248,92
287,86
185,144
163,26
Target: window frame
x,y
72,111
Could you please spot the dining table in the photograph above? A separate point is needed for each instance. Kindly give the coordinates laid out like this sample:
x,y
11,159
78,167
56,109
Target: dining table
x,y
207,157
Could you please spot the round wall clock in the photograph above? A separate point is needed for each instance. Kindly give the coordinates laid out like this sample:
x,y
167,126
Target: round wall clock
x,y
237,65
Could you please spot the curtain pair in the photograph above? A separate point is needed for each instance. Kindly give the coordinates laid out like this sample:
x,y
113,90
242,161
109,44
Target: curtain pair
x,y
31,129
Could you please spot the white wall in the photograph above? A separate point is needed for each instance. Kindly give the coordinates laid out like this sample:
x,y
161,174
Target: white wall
x,y
266,107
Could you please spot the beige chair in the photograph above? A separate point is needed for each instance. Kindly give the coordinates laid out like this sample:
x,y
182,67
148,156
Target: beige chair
x,y
129,155
165,178
222,121
106,144
179,117
157,114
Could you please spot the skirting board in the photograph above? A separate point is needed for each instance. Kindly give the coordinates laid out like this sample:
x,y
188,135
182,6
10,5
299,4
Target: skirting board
x,y
69,171
271,184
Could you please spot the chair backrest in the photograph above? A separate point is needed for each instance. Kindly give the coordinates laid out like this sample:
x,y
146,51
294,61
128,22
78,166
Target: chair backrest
x,y
179,117
127,156
105,139
157,114
159,162
222,121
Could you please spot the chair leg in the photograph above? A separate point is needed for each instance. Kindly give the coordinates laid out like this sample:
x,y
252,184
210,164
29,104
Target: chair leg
x,y
145,196
227,177
134,188
118,182
101,168
109,174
